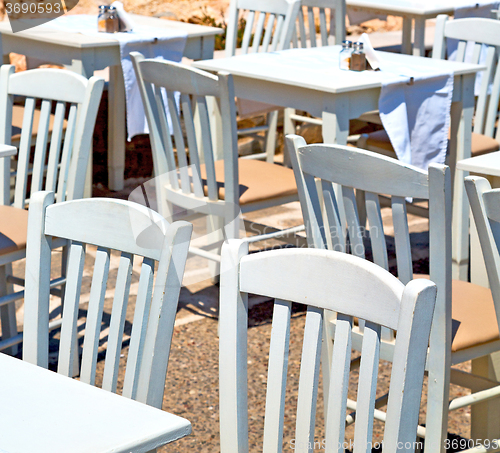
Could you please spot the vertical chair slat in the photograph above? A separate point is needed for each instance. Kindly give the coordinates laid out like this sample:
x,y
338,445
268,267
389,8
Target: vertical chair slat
x,y
312,26
339,383
24,154
367,388
333,27
323,28
118,313
482,100
257,37
194,157
166,137
461,51
94,316
276,375
314,228
336,238
41,147
309,376
354,229
139,329
476,53
179,144
247,34
280,21
266,41
377,237
55,147
302,28
70,310
402,239
66,153
491,116
206,143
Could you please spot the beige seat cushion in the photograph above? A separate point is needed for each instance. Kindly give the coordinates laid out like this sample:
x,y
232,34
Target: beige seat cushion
x,y
473,313
13,229
258,180
17,122
481,144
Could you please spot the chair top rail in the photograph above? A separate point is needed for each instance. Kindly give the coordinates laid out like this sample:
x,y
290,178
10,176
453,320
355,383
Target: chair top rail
x,y
343,166
176,77
485,31
265,6
261,272
48,83
84,220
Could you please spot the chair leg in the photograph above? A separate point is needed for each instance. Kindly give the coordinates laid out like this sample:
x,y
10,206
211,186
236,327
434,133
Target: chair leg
x,y
215,233
485,417
288,128
460,229
272,124
8,312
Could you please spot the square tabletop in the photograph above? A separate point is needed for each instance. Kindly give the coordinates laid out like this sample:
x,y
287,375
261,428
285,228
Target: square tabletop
x,y
47,412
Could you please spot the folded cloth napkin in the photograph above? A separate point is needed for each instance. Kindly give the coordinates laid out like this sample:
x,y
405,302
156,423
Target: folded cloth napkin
x,y
160,43
126,22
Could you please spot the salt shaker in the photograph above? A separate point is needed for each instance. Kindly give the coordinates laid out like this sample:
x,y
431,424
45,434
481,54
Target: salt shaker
x,y
112,21
101,18
358,57
345,55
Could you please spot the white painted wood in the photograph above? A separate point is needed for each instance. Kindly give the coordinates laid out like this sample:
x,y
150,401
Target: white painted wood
x,y
118,225
322,279
378,174
275,24
179,178
65,173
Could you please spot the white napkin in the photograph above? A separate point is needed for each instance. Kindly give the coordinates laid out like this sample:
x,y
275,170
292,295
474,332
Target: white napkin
x,y
370,52
415,112
126,22
160,43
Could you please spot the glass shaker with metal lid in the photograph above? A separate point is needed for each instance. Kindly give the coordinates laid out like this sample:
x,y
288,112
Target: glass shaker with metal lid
x,y
112,21
345,55
101,18
358,57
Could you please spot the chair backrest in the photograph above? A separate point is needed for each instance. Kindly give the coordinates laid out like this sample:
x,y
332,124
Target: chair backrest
x,y
60,158
485,36
329,15
188,176
321,280
485,206
111,225
268,25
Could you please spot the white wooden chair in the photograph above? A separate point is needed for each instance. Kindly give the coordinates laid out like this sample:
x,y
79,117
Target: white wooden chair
x,y
321,280
59,161
223,189
329,34
269,26
331,215
486,134
111,225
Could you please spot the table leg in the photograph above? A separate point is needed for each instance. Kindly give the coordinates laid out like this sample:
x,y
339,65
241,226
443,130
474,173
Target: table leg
x,y
406,38
460,216
116,128
419,38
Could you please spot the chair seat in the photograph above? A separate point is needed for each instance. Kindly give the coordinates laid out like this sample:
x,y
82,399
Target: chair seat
x,y
13,229
481,144
259,181
17,122
473,313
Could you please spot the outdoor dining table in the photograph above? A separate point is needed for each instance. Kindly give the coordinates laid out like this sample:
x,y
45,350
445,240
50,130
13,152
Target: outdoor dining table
x,y
85,54
310,80
47,412
416,11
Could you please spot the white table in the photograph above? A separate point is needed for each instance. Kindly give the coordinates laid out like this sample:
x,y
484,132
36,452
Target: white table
x,y
309,79
7,150
86,54
411,11
43,411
